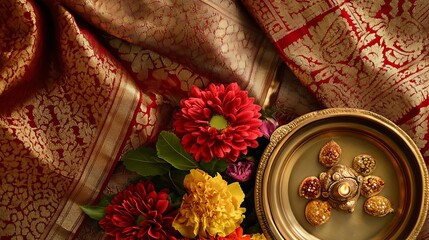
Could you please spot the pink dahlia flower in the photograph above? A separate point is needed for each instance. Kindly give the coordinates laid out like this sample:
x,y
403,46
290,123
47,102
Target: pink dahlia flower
x,y
268,126
241,171
218,122
139,212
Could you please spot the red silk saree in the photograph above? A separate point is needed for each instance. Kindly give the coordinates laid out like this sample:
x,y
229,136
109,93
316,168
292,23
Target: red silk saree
x,y
81,82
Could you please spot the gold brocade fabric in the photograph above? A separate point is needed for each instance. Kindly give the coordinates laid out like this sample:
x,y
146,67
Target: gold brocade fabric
x,y
364,54
83,81
58,144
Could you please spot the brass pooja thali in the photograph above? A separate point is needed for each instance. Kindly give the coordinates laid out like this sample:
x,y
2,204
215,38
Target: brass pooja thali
x,y
292,155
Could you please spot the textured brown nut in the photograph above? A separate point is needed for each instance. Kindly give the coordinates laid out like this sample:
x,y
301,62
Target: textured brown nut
x,y
378,206
364,164
317,212
330,154
310,188
371,186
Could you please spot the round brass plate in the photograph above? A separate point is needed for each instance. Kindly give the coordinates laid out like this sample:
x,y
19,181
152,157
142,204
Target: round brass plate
x,y
292,155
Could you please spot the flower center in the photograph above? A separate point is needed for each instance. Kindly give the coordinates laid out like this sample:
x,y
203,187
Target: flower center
x,y
140,219
218,122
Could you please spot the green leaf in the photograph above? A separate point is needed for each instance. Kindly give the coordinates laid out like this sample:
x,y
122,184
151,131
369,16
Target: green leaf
x,y
145,162
161,181
106,200
175,199
94,212
214,166
170,149
176,178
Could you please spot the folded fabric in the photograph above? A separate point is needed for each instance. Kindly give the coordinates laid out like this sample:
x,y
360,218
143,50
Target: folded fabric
x,y
81,82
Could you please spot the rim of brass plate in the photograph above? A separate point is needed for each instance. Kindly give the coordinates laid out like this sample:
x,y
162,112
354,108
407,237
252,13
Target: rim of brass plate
x,y
301,121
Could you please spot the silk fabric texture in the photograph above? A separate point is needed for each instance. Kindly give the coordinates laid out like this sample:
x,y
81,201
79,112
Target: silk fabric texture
x,y
81,82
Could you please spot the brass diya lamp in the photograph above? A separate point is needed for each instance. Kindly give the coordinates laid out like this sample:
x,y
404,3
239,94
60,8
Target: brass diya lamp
x,y
341,185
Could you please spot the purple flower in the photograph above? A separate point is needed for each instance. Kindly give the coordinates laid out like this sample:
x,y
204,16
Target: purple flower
x,y
268,126
241,171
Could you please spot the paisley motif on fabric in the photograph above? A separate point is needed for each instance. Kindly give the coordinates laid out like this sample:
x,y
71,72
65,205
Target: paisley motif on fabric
x,y
59,144
20,43
364,54
108,75
96,78
212,39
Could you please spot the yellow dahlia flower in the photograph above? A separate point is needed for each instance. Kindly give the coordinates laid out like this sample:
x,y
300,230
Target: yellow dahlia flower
x,y
257,236
211,207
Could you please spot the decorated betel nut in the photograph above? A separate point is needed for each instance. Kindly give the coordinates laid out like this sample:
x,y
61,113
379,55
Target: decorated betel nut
x,y
330,154
371,186
317,212
340,185
309,188
378,206
364,164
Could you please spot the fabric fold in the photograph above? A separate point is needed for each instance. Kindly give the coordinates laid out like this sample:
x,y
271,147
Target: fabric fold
x,y
60,145
361,54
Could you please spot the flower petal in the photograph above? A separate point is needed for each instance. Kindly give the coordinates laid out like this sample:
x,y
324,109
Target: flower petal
x,y
205,142
138,210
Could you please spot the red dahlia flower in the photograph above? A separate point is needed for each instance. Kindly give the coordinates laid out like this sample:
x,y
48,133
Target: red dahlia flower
x,y
139,212
218,122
